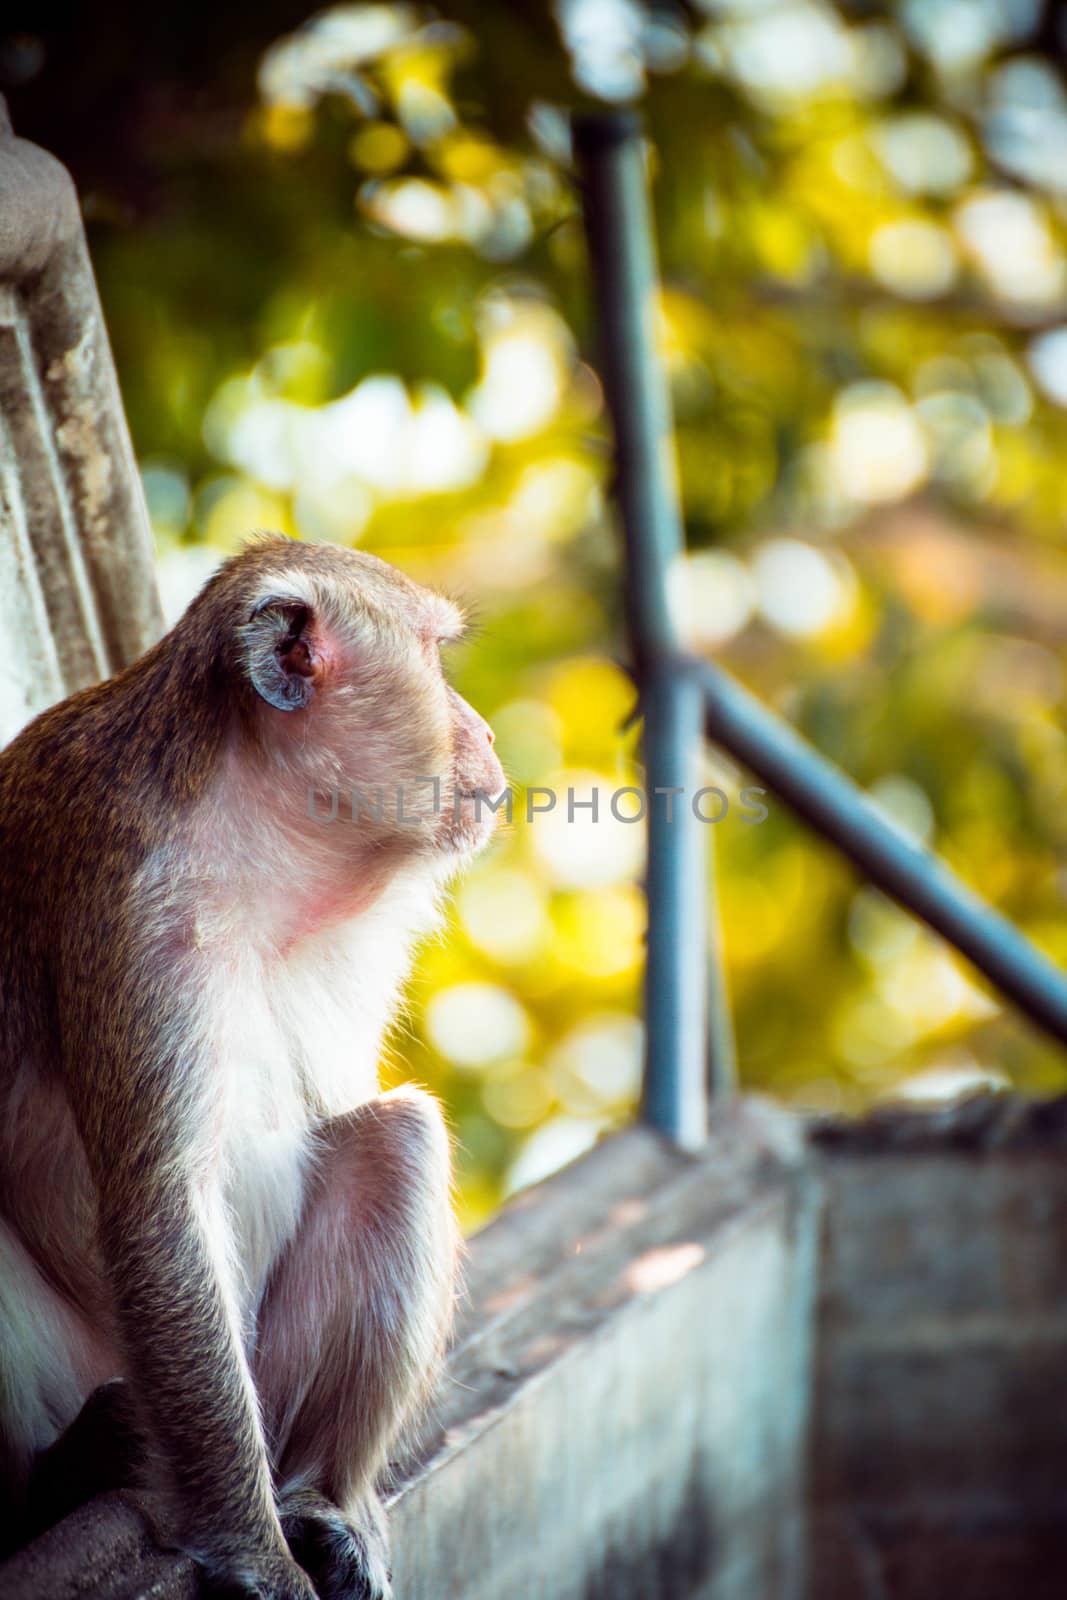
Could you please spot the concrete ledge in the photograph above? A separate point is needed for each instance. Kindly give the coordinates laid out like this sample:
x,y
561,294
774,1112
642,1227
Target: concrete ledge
x,y
625,1409
105,1550
940,1443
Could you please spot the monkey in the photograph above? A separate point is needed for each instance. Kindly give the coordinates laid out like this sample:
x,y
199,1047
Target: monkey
x,y
220,1241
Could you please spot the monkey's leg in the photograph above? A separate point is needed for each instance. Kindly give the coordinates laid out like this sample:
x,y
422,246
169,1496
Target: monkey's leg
x,y
353,1327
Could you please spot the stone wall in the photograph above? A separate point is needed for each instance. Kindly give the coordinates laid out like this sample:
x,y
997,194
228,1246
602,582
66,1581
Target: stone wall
x,y
940,1444
77,590
625,1412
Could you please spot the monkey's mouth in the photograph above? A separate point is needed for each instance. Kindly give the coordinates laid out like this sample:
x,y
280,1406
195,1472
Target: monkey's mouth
x,y
468,823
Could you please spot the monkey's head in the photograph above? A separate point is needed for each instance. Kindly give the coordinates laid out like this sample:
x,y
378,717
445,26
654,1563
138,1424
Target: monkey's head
x,y
338,656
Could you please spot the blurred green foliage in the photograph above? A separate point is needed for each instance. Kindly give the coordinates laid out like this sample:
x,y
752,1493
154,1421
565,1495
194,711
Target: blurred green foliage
x,y
359,310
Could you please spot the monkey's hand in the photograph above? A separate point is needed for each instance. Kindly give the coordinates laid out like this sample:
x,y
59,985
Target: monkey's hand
x,y
347,1556
283,1581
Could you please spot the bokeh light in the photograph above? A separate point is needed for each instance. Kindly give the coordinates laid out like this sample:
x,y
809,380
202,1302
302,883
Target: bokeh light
x,y
358,309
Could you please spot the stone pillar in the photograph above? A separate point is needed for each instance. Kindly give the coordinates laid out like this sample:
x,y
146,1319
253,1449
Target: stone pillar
x,y
78,597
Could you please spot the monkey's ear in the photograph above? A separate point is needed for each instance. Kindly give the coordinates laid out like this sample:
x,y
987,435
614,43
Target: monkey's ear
x,y
284,661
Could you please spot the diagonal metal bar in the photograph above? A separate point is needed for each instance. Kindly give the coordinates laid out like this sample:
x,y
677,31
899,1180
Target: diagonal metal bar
x,y
839,809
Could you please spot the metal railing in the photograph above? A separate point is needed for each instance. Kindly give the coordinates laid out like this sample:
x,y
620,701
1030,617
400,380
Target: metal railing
x,y
689,1042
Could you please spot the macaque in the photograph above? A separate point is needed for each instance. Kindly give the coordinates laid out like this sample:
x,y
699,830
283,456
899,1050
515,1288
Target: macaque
x,y
225,1256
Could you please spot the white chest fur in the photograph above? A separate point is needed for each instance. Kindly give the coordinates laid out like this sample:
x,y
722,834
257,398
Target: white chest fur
x,y
296,1041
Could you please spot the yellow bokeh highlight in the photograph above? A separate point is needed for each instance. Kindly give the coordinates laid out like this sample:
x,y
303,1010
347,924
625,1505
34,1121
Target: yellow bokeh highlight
x,y
468,157
286,128
243,509
518,1095
592,698
852,633
600,932
782,241
379,147
870,466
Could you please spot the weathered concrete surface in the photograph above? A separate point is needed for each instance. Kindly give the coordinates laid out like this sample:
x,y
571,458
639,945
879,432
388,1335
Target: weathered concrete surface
x,y
940,1460
626,1413
626,1409
78,596
629,1400
105,1550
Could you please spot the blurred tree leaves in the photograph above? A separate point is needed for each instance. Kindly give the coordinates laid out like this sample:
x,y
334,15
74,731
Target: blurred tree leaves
x,y
344,274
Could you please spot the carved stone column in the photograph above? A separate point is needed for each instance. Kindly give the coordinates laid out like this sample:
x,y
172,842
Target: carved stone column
x,y
78,597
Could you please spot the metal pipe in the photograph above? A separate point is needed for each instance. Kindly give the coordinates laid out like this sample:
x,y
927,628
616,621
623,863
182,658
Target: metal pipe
x,y
674,1096
682,1055
839,810
619,227
621,242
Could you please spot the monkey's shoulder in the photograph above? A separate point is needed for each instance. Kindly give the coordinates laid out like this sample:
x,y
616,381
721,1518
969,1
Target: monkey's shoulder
x,y
117,756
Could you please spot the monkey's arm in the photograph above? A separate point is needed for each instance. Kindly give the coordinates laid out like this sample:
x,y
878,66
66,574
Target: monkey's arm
x,y
142,1098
